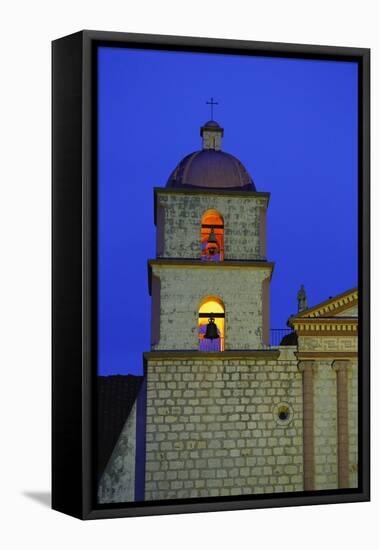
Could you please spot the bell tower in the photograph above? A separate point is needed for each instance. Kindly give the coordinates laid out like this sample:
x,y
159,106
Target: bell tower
x,y
211,248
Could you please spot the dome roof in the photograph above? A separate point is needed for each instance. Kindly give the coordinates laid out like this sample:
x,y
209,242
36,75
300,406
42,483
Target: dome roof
x,y
211,124
213,170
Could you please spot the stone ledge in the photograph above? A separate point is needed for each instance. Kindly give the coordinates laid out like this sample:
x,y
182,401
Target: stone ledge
x,y
207,191
193,262
212,356
190,264
320,355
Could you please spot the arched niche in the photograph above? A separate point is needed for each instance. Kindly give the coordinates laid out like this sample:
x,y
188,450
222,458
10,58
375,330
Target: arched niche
x,y
211,310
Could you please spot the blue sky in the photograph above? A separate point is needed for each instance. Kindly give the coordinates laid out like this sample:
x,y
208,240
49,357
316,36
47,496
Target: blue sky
x,y
292,123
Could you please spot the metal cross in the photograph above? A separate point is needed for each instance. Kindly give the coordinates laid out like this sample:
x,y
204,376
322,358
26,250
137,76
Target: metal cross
x,y
211,103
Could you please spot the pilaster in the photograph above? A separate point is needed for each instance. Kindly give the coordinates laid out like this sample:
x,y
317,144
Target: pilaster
x,y
308,368
341,369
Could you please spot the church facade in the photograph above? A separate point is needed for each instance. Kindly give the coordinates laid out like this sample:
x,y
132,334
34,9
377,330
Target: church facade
x,y
220,411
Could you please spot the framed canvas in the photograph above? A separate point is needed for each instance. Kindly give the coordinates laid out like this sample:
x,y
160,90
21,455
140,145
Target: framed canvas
x,y
210,275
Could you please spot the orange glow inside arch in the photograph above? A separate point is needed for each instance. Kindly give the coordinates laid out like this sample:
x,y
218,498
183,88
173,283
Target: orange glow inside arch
x,y
212,237
212,305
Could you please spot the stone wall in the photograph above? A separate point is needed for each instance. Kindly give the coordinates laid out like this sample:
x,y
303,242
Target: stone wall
x,y
118,480
213,427
183,288
179,222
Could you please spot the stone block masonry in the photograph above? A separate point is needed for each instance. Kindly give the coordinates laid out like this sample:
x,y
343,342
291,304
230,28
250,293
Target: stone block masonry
x,y
182,289
212,426
179,221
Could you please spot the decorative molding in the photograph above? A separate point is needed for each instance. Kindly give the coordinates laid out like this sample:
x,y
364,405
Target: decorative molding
x,y
189,262
340,364
307,364
339,326
329,307
200,191
327,333
321,355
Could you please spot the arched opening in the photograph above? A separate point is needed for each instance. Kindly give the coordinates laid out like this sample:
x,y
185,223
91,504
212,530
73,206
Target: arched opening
x,y
211,324
212,237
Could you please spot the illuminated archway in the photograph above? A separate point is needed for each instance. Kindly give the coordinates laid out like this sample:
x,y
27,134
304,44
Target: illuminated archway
x,y
212,236
211,311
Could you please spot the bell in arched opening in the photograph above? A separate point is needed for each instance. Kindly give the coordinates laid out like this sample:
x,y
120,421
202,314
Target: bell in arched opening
x,y
212,236
212,248
211,332
211,324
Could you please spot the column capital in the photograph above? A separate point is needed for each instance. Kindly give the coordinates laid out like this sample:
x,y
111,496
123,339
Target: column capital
x,y
307,365
340,364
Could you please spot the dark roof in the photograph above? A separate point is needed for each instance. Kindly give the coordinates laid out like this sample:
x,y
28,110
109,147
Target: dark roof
x,y
211,125
115,398
289,339
212,170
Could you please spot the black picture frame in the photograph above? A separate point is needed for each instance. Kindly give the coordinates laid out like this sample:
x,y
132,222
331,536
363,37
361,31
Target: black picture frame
x,y
74,253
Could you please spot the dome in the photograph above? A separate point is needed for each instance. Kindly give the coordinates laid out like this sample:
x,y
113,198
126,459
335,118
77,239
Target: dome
x,y
211,169
211,124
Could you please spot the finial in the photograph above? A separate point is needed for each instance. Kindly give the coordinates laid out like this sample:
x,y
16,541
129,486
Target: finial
x,y
302,303
212,103
212,134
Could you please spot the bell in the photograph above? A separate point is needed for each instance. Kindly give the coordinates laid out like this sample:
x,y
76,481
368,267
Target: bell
x,y
211,332
212,244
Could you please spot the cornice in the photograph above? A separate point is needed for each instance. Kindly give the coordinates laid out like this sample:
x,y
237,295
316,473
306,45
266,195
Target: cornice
x,y
198,264
332,306
320,355
204,191
189,262
321,326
